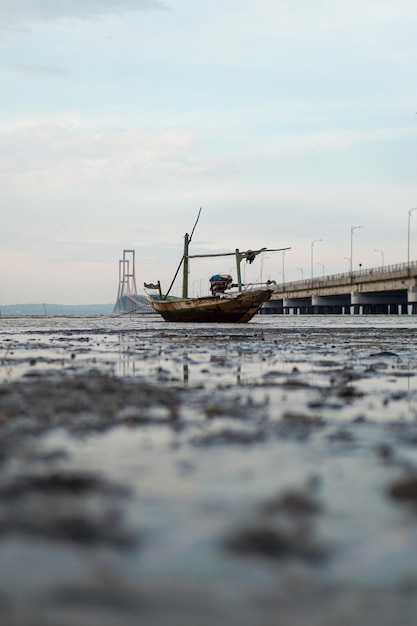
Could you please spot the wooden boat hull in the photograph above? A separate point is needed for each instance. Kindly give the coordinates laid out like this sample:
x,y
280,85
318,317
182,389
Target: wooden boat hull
x,y
228,308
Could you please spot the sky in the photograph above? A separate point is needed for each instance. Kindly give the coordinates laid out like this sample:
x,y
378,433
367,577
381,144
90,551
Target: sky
x,y
288,121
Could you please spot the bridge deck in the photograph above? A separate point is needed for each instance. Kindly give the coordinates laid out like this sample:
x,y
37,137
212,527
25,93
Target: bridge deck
x,y
377,290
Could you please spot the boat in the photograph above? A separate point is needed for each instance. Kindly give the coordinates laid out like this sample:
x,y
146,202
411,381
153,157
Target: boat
x,y
226,308
228,303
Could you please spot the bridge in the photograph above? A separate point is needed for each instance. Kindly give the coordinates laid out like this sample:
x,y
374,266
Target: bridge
x,y
381,290
128,300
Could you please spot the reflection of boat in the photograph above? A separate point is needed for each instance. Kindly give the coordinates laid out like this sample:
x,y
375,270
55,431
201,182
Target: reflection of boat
x,y
223,305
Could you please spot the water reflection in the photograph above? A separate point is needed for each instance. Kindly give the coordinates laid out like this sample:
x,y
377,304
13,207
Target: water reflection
x,y
308,356
191,367
186,371
354,384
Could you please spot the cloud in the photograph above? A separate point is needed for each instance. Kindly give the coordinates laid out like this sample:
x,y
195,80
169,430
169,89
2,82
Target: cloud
x,y
33,71
13,11
280,33
50,156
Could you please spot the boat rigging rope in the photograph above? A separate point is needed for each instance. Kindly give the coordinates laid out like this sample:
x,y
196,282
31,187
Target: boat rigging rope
x,y
182,259
122,313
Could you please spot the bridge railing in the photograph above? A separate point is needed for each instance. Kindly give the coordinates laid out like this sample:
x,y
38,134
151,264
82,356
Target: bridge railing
x,y
357,273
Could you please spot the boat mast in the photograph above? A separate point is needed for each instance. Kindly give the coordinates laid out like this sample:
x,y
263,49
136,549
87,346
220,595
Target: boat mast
x,y
250,256
239,257
185,257
187,240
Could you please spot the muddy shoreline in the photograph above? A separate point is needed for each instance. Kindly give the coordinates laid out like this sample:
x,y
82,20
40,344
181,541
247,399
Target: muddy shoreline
x,y
152,473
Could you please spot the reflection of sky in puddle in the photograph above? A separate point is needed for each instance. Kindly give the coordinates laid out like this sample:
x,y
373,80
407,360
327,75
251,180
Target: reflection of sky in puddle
x,y
300,362
385,393
188,491
190,497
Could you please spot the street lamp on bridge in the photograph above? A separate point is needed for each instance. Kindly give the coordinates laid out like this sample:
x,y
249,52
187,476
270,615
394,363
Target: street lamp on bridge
x,y
311,259
408,234
322,266
283,266
352,228
382,256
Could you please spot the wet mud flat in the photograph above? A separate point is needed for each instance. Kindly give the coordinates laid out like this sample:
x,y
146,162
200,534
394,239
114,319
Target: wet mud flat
x,y
156,474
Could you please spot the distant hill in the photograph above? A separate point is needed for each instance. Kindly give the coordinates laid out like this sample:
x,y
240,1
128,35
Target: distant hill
x,y
56,309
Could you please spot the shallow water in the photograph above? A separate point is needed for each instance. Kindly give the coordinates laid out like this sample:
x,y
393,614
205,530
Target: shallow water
x,y
242,473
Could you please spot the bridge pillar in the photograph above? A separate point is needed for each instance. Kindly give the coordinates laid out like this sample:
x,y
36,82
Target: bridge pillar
x,y
330,300
412,294
375,309
412,299
374,303
297,304
271,307
329,304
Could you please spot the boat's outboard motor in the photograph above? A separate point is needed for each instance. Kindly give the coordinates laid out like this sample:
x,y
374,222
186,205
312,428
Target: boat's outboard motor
x,y
219,283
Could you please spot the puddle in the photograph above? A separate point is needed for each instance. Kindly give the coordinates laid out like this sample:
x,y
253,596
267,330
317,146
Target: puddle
x,y
174,473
